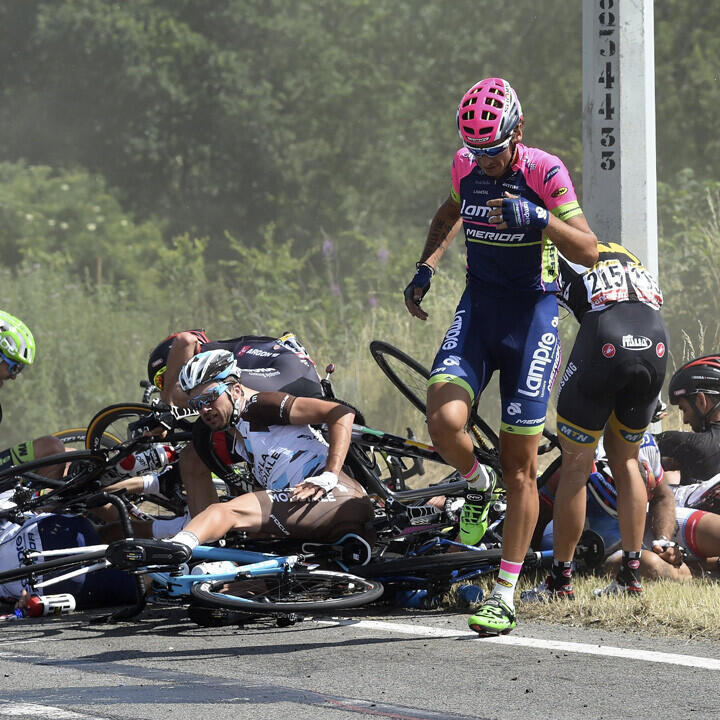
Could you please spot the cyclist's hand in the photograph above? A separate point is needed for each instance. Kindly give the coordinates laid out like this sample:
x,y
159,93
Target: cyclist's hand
x,y
668,551
313,488
417,289
514,211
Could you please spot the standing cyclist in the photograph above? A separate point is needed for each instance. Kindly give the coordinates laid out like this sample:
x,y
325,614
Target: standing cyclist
x,y
518,206
610,388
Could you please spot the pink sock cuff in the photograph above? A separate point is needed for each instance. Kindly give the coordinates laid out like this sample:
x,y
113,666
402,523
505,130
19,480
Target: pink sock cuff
x,y
511,567
472,470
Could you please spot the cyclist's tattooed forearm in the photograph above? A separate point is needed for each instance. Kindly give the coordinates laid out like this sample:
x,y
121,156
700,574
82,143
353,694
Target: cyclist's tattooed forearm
x,y
437,237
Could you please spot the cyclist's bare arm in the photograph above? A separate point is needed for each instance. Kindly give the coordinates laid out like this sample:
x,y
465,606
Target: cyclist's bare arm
x,y
443,228
574,239
339,420
661,512
183,348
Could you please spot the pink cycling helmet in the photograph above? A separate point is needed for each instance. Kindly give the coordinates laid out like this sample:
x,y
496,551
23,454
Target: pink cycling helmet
x,y
488,112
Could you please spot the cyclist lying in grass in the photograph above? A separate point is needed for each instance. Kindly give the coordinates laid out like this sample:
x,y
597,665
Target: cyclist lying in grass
x,y
305,495
669,529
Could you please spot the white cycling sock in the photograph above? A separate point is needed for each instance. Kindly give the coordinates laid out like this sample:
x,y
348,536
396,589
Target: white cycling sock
x,y
506,582
186,538
167,527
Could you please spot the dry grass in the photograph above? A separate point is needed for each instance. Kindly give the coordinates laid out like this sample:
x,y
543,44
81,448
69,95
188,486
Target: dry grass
x,y
690,610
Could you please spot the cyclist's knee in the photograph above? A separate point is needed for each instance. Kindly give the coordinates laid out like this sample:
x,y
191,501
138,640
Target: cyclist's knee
x,y
447,422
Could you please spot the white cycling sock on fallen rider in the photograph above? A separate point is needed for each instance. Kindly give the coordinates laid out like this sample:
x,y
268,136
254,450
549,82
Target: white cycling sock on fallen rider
x,y
164,528
186,538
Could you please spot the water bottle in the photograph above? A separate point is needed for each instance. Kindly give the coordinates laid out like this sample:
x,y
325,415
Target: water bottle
x,y
215,568
49,604
154,458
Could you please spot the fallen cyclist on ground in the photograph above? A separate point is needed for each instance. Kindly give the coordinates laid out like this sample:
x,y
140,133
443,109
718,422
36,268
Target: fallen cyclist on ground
x,y
670,529
268,364
695,388
306,495
53,531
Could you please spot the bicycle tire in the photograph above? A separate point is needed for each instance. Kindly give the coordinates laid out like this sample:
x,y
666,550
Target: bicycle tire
x,y
62,563
325,590
9,474
410,378
75,437
438,564
111,423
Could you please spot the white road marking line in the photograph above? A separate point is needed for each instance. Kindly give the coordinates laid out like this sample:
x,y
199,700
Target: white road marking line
x,y
18,642
706,663
41,712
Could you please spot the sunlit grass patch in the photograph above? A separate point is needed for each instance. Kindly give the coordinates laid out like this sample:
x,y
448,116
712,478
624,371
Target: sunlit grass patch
x,y
665,608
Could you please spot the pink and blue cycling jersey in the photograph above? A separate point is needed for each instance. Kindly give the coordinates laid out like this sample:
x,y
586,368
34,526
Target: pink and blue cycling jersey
x,y
513,260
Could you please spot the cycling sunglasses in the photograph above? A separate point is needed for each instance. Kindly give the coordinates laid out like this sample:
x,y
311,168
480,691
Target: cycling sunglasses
x,y
159,378
492,151
198,402
14,367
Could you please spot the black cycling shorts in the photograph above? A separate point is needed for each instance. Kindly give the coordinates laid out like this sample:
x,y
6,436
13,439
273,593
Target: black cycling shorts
x,y
615,372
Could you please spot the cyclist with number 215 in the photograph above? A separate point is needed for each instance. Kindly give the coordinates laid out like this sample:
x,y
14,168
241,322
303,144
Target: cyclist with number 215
x,y
518,208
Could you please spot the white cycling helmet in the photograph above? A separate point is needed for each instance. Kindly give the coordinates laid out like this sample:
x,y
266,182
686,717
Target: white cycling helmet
x,y
206,367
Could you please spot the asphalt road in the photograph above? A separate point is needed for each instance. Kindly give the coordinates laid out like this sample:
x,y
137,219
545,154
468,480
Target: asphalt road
x,y
400,665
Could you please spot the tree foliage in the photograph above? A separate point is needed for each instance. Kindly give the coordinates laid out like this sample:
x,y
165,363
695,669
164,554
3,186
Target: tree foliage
x,y
260,165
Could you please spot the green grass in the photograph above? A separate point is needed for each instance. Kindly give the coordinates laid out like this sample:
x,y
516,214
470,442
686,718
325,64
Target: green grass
x,y
665,609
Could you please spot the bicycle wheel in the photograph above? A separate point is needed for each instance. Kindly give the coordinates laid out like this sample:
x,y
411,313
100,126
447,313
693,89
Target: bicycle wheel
x,y
293,591
75,438
80,461
111,423
410,378
434,566
41,569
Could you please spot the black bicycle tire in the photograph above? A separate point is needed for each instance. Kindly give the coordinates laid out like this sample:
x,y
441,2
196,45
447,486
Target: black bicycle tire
x,y
57,564
97,427
56,459
379,349
78,435
435,563
204,591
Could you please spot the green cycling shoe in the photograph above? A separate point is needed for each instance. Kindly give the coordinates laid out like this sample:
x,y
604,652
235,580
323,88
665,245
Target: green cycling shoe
x,y
494,617
474,515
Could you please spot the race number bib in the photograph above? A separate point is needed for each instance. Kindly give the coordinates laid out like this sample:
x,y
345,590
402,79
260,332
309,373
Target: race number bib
x,y
606,283
644,284
611,281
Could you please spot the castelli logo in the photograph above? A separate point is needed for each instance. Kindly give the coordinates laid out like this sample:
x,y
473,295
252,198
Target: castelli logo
x,y
660,349
608,350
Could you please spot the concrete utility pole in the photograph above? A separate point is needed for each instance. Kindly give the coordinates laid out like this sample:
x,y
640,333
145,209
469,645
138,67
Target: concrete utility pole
x,y
619,177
